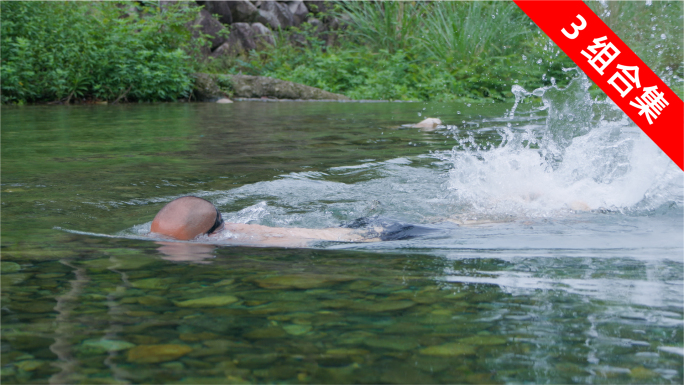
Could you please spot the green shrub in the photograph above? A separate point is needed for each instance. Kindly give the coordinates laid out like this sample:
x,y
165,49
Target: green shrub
x,y
67,50
449,50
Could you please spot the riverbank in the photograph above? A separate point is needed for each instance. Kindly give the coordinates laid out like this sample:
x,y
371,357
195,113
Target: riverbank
x,y
419,51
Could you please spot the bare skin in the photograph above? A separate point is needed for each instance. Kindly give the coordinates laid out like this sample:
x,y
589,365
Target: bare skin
x,y
290,237
188,217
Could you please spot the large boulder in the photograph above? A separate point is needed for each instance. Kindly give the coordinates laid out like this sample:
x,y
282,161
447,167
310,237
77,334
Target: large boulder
x,y
210,87
241,40
275,15
206,87
299,11
260,86
243,11
262,35
221,8
207,24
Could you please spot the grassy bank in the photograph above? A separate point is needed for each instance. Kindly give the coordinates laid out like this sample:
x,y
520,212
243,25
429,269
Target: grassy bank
x,y
414,51
446,51
59,52
440,51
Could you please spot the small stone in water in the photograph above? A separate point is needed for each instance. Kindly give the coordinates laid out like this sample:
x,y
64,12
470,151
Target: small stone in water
x,y
296,330
215,301
225,282
483,340
448,349
151,283
29,365
12,279
143,340
9,267
150,354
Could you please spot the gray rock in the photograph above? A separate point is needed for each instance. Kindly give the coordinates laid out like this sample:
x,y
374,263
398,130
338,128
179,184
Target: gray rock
x,y
227,48
276,15
262,35
244,33
259,86
206,87
241,40
243,11
221,8
299,11
210,26
268,18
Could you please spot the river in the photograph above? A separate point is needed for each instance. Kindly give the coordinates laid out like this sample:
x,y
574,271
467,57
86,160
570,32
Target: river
x,y
557,255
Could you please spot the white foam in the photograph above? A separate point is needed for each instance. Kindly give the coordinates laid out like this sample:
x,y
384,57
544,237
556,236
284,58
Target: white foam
x,y
544,171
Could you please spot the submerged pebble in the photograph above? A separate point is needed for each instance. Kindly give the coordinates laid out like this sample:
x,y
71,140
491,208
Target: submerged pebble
x,y
29,365
448,349
213,301
150,354
296,330
152,283
9,267
483,340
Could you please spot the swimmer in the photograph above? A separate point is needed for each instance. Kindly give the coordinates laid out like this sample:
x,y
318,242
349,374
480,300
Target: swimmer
x,y
188,217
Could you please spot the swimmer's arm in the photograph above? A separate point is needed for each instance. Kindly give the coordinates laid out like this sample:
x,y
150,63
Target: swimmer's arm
x,y
296,237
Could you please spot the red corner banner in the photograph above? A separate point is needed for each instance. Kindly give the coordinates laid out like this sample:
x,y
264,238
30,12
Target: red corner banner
x,y
618,71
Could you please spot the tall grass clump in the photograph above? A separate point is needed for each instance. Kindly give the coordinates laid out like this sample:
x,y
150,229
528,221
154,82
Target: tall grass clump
x,y
384,25
478,49
96,50
456,32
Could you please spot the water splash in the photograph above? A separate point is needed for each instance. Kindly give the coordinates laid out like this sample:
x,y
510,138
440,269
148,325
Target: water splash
x,y
587,156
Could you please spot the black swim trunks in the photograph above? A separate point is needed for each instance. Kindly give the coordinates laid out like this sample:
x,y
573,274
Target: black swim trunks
x,y
391,230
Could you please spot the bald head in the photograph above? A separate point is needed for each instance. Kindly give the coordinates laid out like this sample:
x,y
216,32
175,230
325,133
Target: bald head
x,y
184,218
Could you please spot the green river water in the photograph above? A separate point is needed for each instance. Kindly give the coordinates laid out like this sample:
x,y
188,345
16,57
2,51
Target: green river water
x,y
560,297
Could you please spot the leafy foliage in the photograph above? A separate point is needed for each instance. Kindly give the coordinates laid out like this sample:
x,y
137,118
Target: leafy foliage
x,y
101,50
415,51
451,50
